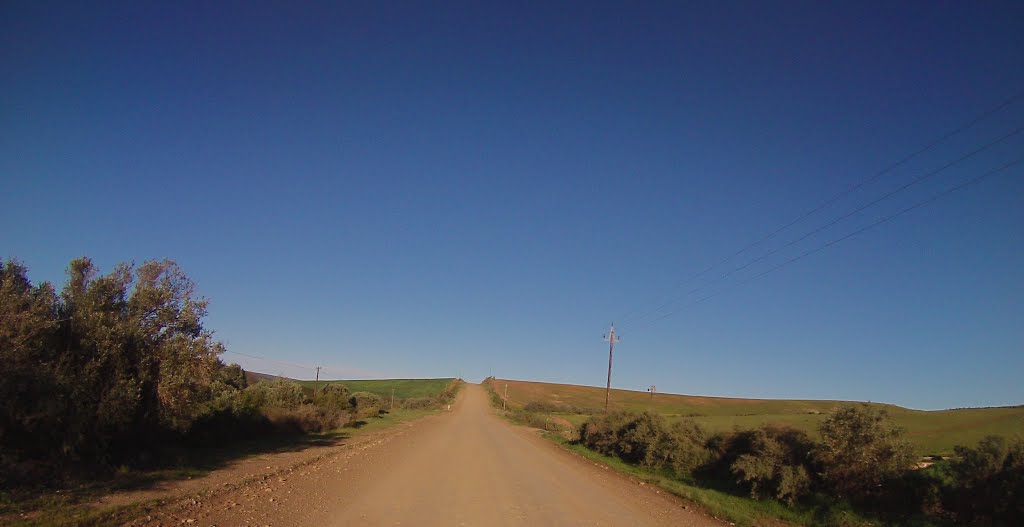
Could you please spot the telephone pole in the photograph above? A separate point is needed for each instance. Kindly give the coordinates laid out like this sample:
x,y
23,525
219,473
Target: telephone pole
x,y
316,383
612,339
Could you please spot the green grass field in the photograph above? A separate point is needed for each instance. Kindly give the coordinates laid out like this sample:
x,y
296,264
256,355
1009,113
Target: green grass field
x,y
404,388
932,432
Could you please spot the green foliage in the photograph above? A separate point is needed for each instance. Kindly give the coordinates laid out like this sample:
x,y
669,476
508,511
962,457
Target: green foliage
x,y
113,361
988,483
335,396
365,404
278,394
116,366
646,439
778,464
860,450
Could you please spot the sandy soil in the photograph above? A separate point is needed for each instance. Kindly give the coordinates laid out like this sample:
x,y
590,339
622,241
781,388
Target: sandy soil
x,y
466,467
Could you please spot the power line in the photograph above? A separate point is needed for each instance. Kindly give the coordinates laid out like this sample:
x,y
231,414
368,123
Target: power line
x,y
835,221
275,361
836,241
962,128
291,364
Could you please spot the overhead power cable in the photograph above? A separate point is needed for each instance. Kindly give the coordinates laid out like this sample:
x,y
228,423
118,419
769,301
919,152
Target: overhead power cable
x,y
876,223
275,361
836,197
835,221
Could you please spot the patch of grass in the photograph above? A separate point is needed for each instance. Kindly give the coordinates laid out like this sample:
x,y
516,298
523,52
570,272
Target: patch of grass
x,y
404,388
394,417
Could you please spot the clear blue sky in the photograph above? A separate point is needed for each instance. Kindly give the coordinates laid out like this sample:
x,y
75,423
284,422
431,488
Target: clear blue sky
x,y
397,189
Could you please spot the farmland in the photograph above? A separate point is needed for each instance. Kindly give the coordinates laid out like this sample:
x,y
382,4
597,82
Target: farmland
x,y
403,388
932,432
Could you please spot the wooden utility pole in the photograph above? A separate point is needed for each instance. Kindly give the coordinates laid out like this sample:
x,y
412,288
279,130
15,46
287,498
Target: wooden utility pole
x,y
504,400
612,339
316,383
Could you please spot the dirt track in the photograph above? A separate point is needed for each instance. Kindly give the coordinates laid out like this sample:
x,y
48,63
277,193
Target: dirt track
x,y
467,467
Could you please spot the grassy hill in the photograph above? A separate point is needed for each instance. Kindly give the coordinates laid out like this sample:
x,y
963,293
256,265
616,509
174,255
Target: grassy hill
x,y
933,432
403,388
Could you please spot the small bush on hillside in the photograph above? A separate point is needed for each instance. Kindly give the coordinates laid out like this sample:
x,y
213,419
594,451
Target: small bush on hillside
x,y
334,396
365,404
778,464
860,450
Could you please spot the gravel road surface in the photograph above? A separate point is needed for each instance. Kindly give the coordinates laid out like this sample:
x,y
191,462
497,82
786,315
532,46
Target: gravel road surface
x,y
466,467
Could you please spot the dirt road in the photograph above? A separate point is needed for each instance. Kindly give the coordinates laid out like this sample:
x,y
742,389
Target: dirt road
x,y
466,467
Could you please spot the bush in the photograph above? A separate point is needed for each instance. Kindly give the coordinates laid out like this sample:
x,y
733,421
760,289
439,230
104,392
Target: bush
x,y
688,450
989,483
365,404
778,464
334,396
860,451
646,439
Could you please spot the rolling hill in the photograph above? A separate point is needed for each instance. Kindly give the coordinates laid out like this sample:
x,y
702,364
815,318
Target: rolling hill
x,y
932,432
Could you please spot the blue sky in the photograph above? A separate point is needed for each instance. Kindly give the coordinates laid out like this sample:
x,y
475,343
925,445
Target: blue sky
x,y
397,189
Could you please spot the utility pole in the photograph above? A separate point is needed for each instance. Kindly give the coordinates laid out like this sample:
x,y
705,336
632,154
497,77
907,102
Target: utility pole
x,y
503,401
612,339
316,383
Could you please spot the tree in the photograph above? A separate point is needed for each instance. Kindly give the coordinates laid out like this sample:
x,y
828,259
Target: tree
x,y
112,363
29,397
860,450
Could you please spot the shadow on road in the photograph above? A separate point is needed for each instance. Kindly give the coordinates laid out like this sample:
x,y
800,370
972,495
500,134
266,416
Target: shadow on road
x,y
165,466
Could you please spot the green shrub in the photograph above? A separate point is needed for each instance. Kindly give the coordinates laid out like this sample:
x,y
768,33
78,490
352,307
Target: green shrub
x,y
989,483
861,450
778,464
365,404
276,394
334,396
688,450
646,439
